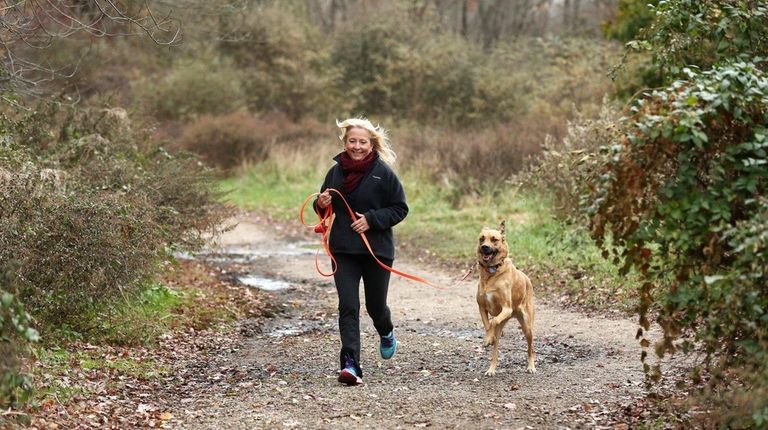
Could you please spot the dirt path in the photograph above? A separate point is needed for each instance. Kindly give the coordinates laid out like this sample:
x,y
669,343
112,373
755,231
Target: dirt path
x,y
284,375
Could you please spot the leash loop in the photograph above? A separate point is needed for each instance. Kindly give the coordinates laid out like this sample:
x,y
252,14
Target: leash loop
x,y
323,227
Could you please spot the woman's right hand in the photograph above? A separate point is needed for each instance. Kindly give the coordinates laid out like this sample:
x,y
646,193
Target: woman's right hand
x,y
324,199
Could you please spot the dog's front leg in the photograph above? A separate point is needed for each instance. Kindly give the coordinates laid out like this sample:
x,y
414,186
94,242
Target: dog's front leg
x,y
484,318
501,318
487,326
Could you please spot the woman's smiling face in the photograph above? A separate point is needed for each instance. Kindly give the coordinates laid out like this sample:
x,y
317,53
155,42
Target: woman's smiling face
x,y
358,143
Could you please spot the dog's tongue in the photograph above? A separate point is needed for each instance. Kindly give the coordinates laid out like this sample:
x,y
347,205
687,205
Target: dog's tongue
x,y
487,257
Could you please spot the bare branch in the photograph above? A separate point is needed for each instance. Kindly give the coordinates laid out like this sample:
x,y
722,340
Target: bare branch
x,y
37,24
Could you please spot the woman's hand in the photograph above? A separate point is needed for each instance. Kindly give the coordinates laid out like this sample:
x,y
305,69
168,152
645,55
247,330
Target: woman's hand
x,y
324,199
361,224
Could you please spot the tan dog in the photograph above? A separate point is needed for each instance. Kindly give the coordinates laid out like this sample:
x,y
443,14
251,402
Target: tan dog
x,y
503,292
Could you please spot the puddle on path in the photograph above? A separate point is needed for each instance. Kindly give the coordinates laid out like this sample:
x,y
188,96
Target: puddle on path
x,y
244,255
266,284
286,332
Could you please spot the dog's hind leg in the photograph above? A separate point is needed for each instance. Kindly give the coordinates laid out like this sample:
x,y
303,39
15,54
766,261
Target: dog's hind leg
x,y
526,325
494,359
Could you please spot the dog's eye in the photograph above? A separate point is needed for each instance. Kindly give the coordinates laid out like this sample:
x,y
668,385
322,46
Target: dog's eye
x,y
494,240
482,239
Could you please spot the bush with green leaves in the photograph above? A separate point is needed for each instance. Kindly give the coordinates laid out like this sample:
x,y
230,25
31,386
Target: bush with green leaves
x,y
703,33
194,87
684,198
398,67
16,333
284,60
632,16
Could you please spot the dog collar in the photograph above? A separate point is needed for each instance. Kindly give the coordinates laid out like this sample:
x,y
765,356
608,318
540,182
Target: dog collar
x,y
492,269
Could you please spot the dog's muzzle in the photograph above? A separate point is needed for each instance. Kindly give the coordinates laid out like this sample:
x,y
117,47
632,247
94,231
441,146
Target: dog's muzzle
x,y
487,252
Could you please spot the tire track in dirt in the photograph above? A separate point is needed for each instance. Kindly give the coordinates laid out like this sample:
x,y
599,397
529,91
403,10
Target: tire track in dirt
x,y
588,367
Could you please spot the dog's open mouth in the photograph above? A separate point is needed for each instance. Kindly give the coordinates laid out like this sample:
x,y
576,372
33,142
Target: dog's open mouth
x,y
487,255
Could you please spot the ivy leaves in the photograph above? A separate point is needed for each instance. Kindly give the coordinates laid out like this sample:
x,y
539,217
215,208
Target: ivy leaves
x,y
704,32
684,198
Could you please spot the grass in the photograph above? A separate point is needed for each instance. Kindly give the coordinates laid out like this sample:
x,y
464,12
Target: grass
x,y
187,296
449,230
62,370
124,349
278,185
137,319
561,258
60,360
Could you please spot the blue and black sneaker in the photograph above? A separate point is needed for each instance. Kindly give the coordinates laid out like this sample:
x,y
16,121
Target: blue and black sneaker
x,y
348,374
388,345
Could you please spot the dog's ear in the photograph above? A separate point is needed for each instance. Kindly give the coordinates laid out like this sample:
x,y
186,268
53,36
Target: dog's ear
x,y
502,226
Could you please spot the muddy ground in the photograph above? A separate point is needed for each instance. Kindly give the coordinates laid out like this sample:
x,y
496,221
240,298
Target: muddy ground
x,y
282,374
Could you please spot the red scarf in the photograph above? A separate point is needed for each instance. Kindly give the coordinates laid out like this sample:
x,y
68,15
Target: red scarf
x,y
355,170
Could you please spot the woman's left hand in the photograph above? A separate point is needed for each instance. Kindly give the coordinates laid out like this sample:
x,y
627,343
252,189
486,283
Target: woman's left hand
x,y
361,224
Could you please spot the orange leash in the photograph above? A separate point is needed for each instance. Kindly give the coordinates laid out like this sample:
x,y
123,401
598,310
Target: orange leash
x,y
323,227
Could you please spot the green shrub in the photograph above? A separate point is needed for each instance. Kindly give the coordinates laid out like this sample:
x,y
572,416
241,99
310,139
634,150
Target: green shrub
x,y
16,333
631,18
704,33
395,67
398,68
194,88
284,61
684,198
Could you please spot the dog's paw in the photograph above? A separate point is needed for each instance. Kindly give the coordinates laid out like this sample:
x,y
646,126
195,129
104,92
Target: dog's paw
x,y
531,368
490,372
488,340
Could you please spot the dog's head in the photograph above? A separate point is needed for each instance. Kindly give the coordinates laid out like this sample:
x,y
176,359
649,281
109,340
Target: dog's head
x,y
492,246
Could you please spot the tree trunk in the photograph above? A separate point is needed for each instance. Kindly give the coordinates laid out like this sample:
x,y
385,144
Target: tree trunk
x,y
464,13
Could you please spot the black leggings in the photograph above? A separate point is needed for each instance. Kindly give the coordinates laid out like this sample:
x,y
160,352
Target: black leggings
x,y
376,281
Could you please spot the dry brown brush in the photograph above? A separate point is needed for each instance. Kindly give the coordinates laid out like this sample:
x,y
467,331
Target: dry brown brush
x,y
88,210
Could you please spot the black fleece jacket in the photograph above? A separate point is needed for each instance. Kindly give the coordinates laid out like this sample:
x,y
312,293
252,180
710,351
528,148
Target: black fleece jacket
x,y
379,196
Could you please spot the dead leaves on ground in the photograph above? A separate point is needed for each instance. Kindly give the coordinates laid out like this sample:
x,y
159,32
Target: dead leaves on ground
x,y
85,386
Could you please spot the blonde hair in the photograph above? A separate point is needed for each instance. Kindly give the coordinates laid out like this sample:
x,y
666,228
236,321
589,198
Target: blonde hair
x,y
379,137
